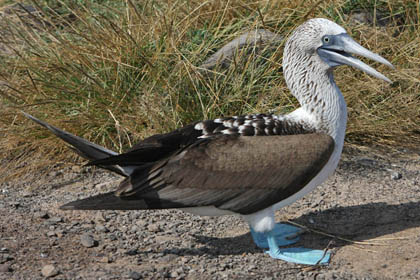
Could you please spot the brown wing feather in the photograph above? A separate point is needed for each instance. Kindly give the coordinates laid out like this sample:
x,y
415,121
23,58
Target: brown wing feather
x,y
241,174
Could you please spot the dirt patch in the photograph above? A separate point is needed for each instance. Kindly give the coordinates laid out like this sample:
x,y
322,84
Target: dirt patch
x,y
373,198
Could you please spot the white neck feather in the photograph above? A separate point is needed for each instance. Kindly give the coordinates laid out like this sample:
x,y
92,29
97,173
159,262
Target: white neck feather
x,y
312,83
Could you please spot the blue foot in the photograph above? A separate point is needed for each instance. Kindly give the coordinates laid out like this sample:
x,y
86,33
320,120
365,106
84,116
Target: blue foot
x,y
296,255
284,234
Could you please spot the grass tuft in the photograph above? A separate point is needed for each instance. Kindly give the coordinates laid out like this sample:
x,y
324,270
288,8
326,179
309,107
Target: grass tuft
x,y
117,71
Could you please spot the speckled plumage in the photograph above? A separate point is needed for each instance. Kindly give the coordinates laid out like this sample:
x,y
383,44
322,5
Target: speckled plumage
x,y
252,125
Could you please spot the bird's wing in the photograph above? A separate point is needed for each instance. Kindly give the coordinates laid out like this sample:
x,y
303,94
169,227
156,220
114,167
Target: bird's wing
x,y
235,173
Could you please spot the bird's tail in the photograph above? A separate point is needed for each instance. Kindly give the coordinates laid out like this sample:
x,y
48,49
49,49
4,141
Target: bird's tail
x,y
84,148
111,201
106,201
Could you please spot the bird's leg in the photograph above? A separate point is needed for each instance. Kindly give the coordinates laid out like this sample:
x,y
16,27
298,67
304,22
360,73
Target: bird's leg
x,y
296,255
284,234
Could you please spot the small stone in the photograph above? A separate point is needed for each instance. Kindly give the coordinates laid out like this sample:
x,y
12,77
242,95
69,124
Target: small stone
x,y
42,215
15,204
100,217
55,220
102,186
55,173
134,275
104,260
168,258
87,240
153,228
59,233
132,252
49,271
101,228
51,234
112,237
163,239
76,168
5,268
5,258
311,221
396,175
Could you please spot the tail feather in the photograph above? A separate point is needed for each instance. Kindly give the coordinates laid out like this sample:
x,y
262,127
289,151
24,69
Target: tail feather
x,y
111,201
106,201
84,148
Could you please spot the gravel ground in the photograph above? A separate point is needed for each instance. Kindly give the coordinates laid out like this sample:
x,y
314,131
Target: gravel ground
x,y
374,197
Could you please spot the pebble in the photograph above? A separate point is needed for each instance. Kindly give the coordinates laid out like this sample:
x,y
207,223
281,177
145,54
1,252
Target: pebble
x,y
100,217
42,215
55,220
76,169
153,228
396,175
101,228
105,260
134,275
132,252
51,234
15,204
5,258
102,186
87,240
5,268
49,271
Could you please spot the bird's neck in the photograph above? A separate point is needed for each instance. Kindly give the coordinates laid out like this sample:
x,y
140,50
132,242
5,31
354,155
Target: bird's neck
x,y
323,105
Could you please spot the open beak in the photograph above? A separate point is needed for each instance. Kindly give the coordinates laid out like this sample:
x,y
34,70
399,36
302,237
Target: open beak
x,y
338,51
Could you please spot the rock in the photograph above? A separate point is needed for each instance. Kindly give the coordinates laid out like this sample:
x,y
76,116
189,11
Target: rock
x,y
42,215
5,268
396,175
163,239
168,258
101,228
51,233
5,258
15,204
134,275
105,260
54,220
102,186
132,252
49,271
76,168
100,217
87,240
154,228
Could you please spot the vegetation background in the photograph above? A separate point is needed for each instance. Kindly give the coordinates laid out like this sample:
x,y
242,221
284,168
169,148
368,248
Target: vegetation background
x,y
117,71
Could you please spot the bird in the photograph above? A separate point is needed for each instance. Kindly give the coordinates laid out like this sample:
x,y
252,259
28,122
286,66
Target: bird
x,y
248,165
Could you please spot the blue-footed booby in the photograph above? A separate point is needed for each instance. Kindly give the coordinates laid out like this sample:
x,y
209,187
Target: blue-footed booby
x,y
250,165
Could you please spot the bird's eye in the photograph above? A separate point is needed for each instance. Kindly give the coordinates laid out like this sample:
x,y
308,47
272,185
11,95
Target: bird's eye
x,y
326,39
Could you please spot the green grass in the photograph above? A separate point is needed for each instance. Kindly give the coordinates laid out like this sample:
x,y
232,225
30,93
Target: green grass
x,y
117,71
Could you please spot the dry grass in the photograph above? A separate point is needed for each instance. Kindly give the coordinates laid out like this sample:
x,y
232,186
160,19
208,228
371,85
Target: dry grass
x,y
117,71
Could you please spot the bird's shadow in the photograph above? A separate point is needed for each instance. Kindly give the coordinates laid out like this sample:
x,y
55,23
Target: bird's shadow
x,y
360,222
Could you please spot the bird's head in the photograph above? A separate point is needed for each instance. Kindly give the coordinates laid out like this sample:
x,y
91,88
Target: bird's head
x,y
328,45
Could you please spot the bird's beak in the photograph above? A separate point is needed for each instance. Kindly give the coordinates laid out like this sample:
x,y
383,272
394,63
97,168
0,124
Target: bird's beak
x,y
337,52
